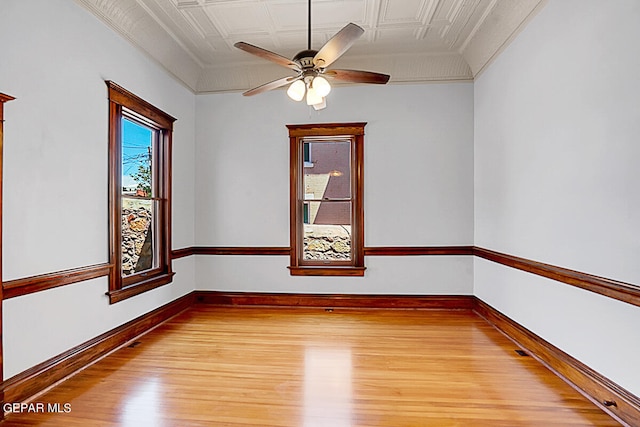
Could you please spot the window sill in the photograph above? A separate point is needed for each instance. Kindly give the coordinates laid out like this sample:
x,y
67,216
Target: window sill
x,y
327,271
140,287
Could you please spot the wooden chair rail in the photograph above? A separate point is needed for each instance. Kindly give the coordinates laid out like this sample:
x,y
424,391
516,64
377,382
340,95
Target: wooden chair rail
x,y
626,292
29,285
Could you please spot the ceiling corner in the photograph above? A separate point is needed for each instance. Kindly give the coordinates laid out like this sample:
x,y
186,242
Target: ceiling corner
x,y
501,23
134,22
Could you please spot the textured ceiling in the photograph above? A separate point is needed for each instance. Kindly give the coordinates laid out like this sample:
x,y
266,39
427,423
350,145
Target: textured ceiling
x,y
412,40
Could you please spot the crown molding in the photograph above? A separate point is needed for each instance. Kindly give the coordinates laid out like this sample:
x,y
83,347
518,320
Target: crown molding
x,y
157,32
502,22
403,68
135,24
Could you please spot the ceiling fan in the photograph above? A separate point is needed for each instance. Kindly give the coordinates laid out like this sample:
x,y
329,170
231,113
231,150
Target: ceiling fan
x,y
311,67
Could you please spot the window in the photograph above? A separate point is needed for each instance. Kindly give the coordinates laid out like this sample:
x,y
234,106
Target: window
x,y
139,195
327,213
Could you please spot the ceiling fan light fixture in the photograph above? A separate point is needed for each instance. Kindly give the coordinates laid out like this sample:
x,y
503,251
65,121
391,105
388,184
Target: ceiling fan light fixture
x,y
310,65
313,97
321,85
296,90
320,105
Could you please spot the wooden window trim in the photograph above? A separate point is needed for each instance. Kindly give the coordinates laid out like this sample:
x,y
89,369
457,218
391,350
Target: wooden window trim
x,y
355,132
122,288
3,98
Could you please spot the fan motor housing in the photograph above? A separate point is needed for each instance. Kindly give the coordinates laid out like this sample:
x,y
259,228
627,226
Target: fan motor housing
x,y
305,58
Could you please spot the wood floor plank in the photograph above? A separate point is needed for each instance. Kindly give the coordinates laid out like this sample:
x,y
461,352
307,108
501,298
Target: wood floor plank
x,y
282,367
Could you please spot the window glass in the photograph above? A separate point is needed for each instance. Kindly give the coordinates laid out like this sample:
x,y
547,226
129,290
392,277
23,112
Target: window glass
x,y
330,176
327,236
139,251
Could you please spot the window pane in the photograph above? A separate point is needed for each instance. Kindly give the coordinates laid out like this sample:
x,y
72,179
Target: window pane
x,y
327,236
305,213
306,152
137,150
139,249
329,176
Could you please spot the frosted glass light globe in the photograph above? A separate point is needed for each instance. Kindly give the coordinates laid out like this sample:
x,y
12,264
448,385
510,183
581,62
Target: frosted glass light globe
x,y
296,90
321,85
312,97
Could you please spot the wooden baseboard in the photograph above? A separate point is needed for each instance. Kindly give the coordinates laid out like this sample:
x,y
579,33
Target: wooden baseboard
x,y
445,302
594,386
32,381
609,396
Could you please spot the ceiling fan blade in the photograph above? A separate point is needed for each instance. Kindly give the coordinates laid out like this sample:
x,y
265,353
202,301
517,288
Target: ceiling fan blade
x,y
357,76
268,55
337,45
271,85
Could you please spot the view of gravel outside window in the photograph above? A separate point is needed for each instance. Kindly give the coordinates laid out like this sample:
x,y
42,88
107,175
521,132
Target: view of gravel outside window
x,y
137,238
327,242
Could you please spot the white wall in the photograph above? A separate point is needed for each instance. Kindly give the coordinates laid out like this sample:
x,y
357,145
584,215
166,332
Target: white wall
x,y
55,58
557,121
418,186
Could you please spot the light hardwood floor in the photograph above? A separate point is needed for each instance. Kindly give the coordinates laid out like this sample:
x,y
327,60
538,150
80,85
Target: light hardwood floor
x,y
215,366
